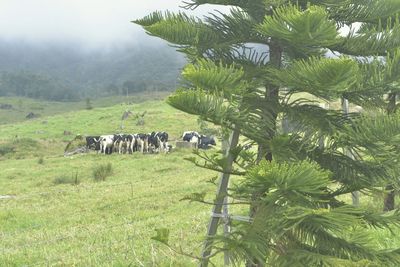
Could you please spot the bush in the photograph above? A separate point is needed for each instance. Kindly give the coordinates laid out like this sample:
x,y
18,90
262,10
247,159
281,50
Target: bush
x,y
41,161
64,179
101,172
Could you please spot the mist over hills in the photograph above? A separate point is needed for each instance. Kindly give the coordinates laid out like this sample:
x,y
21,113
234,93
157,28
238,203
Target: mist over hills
x,y
66,71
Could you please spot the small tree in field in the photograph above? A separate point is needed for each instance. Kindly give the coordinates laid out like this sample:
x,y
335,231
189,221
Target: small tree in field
x,y
266,62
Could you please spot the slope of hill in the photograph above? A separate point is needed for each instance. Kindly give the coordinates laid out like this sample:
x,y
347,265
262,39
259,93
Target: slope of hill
x,y
159,116
54,213
45,219
15,109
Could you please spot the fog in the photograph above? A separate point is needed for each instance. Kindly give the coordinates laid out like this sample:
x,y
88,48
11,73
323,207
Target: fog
x,y
91,24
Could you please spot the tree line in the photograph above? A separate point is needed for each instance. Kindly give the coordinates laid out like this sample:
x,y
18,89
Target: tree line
x,y
65,73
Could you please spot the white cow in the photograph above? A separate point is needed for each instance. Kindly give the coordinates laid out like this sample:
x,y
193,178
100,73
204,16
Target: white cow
x,y
106,142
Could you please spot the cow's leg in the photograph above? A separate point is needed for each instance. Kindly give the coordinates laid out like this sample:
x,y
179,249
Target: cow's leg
x,y
160,144
166,147
162,148
140,143
133,144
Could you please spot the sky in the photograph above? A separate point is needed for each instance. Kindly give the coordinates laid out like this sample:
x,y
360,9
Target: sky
x,y
90,23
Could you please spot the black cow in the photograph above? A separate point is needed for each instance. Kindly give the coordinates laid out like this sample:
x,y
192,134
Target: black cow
x,y
93,142
205,141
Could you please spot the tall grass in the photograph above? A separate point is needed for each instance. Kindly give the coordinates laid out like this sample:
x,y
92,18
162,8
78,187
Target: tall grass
x,y
64,179
101,172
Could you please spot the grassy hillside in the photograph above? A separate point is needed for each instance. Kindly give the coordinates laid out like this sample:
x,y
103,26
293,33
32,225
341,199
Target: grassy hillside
x,y
58,215
23,106
99,223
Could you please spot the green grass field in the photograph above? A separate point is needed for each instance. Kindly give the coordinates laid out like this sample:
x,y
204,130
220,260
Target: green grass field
x,y
90,223
23,106
56,214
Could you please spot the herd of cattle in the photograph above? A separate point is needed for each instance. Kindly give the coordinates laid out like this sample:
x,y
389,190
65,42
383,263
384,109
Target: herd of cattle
x,y
154,142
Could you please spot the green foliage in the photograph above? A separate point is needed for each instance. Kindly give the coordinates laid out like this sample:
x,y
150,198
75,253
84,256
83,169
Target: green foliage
x,y
296,205
214,78
179,29
102,171
295,183
162,235
326,78
304,31
207,130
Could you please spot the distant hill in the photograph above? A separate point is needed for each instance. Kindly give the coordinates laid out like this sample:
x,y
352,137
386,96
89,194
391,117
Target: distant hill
x,y
63,72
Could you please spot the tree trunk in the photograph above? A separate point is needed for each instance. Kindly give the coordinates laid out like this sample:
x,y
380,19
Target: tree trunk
x,y
389,203
389,198
355,195
271,104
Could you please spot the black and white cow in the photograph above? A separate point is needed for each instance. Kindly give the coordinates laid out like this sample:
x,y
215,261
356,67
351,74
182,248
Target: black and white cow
x,y
93,142
163,137
158,142
142,142
122,143
133,139
153,141
206,141
192,137
116,140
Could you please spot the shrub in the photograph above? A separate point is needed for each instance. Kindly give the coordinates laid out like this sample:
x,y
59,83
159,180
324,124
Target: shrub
x,y
140,119
41,161
101,172
6,149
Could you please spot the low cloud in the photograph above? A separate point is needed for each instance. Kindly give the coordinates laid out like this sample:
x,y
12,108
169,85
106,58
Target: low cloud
x,y
91,23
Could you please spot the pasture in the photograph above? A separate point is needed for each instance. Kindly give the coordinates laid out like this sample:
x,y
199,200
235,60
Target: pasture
x,y
50,221
54,213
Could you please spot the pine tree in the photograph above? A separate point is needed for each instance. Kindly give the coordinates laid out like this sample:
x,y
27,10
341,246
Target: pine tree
x,y
264,63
